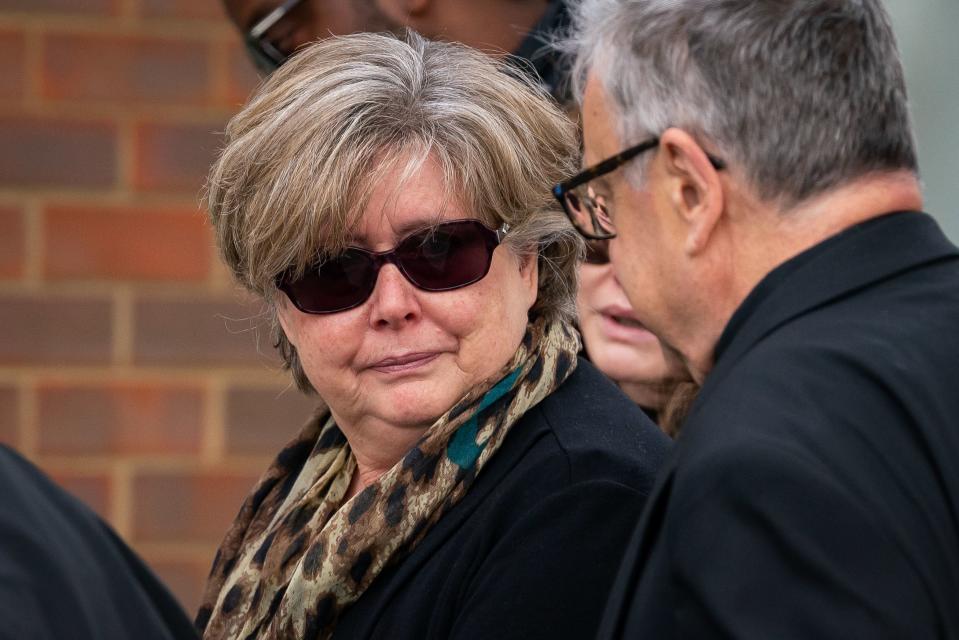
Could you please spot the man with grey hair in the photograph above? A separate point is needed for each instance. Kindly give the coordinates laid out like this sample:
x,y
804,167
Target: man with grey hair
x,y
753,172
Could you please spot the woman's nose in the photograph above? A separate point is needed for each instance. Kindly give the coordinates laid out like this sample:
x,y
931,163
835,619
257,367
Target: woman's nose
x,y
394,301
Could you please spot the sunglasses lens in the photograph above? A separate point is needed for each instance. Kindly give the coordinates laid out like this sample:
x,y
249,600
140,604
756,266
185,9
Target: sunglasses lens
x,y
340,283
447,256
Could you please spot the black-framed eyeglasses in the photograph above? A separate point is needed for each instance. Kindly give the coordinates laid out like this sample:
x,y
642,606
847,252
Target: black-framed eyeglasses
x,y
589,210
446,256
265,54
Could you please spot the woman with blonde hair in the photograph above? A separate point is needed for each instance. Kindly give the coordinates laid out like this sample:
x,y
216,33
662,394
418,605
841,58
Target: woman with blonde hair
x,y
389,199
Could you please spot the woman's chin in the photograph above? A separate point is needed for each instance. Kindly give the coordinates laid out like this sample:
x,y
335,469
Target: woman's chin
x,y
412,405
639,364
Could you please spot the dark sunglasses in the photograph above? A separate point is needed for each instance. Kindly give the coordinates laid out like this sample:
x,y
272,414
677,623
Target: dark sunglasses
x,y
446,256
267,56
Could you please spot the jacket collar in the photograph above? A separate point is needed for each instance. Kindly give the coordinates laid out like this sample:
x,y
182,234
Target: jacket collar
x,y
852,259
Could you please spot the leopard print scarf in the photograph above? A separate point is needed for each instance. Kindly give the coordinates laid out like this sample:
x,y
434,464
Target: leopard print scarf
x,y
297,556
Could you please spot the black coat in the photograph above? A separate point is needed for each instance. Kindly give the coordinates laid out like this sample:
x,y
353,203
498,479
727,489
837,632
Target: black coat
x,y
814,491
65,574
532,549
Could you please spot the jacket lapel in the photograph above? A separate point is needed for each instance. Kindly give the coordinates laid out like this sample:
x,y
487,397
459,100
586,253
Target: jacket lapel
x,y
853,259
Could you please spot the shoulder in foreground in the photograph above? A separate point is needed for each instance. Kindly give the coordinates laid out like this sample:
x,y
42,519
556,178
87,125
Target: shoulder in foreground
x,y
602,433
26,487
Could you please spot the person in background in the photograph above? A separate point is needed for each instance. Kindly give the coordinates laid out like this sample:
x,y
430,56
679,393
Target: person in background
x,y
65,574
752,168
274,30
473,478
621,347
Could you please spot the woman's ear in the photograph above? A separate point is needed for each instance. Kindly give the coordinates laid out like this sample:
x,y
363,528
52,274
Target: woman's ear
x,y
283,309
695,189
529,271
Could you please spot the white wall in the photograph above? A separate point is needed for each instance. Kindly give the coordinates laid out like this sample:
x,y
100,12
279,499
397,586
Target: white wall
x,y
928,34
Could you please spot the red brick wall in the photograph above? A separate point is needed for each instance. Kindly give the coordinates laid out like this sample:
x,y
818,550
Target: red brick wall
x,y
129,364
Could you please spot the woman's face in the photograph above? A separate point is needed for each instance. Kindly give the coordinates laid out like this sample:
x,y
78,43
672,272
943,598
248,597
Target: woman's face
x,y
615,340
405,356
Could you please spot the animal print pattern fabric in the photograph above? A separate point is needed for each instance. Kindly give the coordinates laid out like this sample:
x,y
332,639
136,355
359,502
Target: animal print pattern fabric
x,y
297,555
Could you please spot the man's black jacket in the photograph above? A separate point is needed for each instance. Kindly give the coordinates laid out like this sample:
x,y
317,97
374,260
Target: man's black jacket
x,y
814,492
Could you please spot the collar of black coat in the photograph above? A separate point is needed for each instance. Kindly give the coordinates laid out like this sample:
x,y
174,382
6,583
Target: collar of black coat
x,y
852,259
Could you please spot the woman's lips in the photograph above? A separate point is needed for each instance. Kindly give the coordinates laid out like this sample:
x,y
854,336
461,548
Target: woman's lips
x,y
405,362
623,326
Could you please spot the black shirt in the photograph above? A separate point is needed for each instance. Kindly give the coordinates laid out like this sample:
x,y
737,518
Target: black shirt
x,y
532,550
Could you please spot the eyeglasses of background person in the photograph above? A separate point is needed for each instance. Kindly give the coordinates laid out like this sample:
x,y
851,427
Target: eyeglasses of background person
x,y
265,50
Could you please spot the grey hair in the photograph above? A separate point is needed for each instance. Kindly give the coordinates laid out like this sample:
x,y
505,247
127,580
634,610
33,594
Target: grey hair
x,y
800,95
303,156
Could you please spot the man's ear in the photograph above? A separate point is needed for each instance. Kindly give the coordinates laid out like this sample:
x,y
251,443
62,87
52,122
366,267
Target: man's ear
x,y
695,187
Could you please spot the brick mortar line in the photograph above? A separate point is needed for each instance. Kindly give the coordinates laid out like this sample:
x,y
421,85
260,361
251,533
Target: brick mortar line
x,y
33,265
219,277
155,463
103,463
213,438
28,436
126,156
98,25
69,198
33,68
136,374
212,290
173,551
182,291
76,464
121,512
123,326
127,11
99,112
219,70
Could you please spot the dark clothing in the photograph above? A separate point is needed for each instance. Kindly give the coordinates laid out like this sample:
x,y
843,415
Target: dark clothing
x,y
814,491
536,50
65,574
532,549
